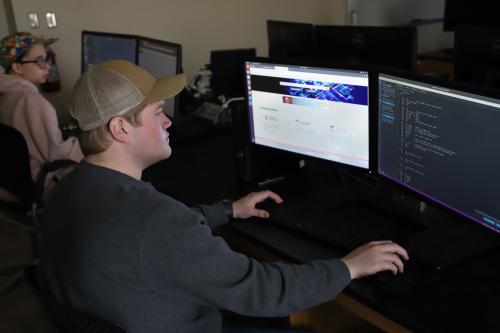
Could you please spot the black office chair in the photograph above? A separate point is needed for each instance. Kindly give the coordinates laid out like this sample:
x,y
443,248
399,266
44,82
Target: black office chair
x,y
66,319
20,197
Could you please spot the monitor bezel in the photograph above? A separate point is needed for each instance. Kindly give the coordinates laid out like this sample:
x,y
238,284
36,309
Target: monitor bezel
x,y
327,65
441,83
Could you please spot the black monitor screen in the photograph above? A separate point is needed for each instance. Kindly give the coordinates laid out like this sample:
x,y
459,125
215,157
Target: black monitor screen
x,y
227,76
98,47
318,112
477,56
290,39
480,13
394,47
443,144
160,59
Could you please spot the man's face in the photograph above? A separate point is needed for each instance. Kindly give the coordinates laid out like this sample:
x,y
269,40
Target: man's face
x,y
151,138
34,72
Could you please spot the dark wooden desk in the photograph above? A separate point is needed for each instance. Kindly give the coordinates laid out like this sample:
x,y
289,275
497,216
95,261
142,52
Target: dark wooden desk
x,y
461,298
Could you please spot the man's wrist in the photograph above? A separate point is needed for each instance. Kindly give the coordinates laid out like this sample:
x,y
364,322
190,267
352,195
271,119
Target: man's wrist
x,y
228,207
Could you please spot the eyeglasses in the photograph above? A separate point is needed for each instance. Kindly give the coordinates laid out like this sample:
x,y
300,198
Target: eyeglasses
x,y
41,62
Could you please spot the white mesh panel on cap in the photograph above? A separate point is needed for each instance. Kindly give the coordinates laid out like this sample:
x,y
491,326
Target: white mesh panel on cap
x,y
101,94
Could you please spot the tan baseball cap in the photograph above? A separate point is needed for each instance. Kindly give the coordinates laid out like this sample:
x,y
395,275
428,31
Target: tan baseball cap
x,y
113,88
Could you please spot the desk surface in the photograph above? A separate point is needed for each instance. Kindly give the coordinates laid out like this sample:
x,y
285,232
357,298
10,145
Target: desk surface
x,y
462,297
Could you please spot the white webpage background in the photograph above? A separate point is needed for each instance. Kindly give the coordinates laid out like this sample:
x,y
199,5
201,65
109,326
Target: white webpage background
x,y
331,130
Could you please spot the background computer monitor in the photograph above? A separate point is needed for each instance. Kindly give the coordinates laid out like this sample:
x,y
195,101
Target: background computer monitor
x,y
394,47
101,46
227,71
477,55
160,58
480,13
441,143
290,39
313,111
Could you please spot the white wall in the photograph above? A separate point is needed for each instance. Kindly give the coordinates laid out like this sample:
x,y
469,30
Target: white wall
x,y
199,25
431,36
393,12
4,28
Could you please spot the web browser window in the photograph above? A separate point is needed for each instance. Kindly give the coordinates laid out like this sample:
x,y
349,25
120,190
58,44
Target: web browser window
x,y
318,112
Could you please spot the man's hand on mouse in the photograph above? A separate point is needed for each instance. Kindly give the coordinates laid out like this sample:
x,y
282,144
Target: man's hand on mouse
x,y
375,257
244,207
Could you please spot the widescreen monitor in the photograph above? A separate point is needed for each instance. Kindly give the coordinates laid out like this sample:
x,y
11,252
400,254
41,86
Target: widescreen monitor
x,y
99,46
290,40
227,76
442,143
393,47
477,56
480,13
313,111
160,59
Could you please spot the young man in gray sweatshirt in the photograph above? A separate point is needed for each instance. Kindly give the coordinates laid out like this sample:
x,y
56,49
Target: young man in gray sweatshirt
x,y
114,247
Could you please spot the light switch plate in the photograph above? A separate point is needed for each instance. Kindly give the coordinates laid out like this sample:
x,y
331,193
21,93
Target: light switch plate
x,y
51,19
33,20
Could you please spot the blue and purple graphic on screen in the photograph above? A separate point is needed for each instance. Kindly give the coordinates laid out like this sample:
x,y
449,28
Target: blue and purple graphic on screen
x,y
328,91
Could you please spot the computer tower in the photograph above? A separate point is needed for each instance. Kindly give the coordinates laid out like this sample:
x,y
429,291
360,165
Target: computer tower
x,y
257,167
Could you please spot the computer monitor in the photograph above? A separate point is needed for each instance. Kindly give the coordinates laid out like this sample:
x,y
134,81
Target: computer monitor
x,y
477,56
313,111
481,13
442,143
290,40
394,47
160,59
101,46
227,71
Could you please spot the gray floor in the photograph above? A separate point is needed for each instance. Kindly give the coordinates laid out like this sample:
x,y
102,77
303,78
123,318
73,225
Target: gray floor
x,y
20,308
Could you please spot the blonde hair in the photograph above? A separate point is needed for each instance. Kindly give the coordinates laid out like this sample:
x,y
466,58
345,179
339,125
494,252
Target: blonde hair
x,y
99,139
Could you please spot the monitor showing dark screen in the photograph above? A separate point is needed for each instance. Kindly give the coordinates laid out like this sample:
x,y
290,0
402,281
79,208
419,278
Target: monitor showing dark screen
x,y
312,111
160,59
290,40
98,47
394,47
443,144
477,56
227,76
481,13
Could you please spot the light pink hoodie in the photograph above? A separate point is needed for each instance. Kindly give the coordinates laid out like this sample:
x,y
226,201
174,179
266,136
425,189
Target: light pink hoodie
x,y
24,108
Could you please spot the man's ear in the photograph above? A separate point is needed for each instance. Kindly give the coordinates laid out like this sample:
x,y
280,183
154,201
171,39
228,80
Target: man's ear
x,y
119,129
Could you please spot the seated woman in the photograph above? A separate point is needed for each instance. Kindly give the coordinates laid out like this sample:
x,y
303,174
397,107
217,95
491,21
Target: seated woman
x,y
24,59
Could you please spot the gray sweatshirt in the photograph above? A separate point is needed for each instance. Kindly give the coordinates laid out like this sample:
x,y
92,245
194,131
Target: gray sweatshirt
x,y
116,248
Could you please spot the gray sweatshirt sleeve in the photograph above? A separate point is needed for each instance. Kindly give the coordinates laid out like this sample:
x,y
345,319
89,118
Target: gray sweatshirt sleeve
x,y
180,255
214,214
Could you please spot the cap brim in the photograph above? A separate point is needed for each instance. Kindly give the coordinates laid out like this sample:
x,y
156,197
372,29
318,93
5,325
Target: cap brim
x,y
166,88
49,41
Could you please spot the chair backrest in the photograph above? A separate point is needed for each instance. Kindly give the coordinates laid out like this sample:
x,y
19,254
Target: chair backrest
x,y
15,171
67,319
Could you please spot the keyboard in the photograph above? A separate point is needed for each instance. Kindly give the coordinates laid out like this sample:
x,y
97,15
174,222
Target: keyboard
x,y
345,224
